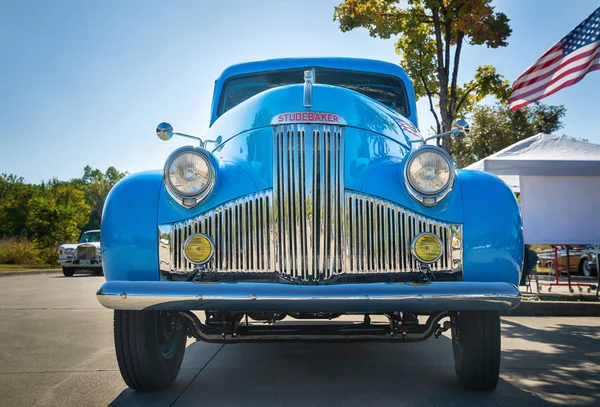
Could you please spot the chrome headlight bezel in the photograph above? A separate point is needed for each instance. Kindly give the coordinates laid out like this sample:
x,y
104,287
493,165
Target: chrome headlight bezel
x,y
429,199
189,200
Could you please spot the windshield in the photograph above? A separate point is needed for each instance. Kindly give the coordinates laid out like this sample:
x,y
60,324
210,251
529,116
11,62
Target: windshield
x,y
386,89
88,237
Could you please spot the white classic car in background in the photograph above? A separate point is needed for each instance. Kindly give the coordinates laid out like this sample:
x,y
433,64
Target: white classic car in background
x,y
84,255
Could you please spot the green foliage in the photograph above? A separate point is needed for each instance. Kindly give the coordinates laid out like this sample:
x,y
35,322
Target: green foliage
x,y
496,127
56,217
96,186
54,212
17,251
14,196
431,35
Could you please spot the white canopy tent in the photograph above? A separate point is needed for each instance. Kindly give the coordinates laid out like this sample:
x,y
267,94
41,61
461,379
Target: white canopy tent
x,y
559,182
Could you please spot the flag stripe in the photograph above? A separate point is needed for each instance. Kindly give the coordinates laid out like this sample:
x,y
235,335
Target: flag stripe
x,y
547,59
564,64
558,64
573,65
517,104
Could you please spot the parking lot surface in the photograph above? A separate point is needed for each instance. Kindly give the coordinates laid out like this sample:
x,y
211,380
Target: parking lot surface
x,y
57,350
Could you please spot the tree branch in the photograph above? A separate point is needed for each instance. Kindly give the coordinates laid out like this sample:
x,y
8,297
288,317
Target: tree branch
x,y
431,108
459,41
440,60
464,96
447,34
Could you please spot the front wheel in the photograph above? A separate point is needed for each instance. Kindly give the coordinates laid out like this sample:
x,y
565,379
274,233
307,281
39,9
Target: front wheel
x,y
476,346
68,271
586,269
150,347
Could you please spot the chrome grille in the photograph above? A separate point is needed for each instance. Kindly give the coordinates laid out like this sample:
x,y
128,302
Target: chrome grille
x,y
379,236
86,252
308,201
241,231
308,228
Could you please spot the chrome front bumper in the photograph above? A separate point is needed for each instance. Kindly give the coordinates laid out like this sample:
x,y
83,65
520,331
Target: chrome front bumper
x,y
341,298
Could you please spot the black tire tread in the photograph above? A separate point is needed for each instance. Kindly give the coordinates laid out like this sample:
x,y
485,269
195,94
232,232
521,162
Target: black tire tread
x,y
480,341
142,366
68,272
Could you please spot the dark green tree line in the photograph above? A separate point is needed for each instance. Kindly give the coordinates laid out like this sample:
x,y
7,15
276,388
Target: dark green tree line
x,y
54,211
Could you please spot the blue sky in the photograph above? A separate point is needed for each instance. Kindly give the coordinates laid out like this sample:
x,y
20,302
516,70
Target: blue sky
x,y
85,82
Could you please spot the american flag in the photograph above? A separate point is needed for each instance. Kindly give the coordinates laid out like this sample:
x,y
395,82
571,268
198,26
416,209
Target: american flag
x,y
565,64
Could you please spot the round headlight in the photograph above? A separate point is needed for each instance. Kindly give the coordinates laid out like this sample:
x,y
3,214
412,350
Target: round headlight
x,y
189,173
429,171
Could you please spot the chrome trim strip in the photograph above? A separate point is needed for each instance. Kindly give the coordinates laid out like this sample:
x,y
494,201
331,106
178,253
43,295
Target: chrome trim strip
x,y
375,297
309,79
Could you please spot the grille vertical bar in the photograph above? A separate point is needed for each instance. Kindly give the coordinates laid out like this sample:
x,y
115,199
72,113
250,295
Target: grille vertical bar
x,y
308,196
241,231
383,233
373,235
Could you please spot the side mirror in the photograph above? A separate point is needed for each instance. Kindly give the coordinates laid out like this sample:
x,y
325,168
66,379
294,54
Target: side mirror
x,y
164,131
460,128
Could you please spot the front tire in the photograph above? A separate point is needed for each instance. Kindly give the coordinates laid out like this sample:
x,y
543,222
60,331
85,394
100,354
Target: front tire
x,y
68,271
150,346
476,346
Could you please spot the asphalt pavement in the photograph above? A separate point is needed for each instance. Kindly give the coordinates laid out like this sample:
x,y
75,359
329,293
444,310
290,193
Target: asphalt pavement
x,y
56,349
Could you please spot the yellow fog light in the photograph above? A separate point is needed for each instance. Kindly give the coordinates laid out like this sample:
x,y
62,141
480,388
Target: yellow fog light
x,y
427,247
198,249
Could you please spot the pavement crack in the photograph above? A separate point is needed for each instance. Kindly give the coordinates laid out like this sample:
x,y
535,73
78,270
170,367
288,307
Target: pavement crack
x,y
195,376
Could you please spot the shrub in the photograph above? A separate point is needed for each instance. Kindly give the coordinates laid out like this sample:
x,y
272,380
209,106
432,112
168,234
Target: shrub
x,y
17,251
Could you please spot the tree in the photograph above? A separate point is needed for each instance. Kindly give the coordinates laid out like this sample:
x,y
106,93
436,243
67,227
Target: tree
x,y
56,216
432,36
96,186
14,197
496,127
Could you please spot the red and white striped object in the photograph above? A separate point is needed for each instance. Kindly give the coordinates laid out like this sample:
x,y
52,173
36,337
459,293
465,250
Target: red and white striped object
x,y
565,64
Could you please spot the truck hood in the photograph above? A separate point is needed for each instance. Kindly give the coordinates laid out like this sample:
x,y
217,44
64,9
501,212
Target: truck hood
x,y
349,107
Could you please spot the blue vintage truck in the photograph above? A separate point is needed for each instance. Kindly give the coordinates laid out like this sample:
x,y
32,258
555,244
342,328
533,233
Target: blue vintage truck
x,y
312,196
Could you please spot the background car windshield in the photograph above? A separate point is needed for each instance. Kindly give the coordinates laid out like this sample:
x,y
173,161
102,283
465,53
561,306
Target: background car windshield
x,y
386,89
90,237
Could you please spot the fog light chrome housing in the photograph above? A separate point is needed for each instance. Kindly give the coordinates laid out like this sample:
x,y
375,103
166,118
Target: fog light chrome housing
x,y
427,248
198,249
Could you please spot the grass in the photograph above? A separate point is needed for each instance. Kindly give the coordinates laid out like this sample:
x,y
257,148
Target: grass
x,y
7,268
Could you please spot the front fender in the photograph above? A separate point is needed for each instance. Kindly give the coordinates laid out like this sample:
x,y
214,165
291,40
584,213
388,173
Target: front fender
x,y
129,233
493,231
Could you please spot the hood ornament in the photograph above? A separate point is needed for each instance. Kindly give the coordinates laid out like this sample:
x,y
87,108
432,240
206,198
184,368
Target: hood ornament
x,y
309,79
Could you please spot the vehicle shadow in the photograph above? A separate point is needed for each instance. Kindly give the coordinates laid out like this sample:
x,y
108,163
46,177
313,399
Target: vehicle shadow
x,y
373,374
79,275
